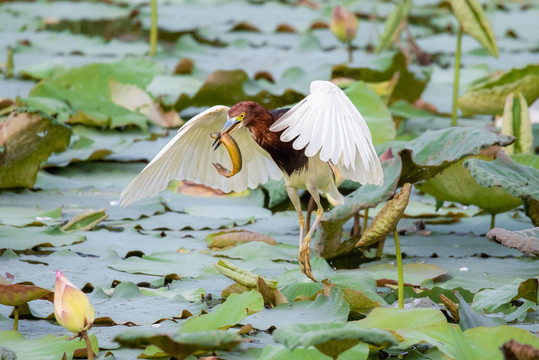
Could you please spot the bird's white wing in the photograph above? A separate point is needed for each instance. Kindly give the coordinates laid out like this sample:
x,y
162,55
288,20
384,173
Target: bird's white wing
x,y
189,155
328,124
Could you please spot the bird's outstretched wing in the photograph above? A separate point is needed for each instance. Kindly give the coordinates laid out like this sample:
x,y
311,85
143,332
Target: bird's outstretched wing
x,y
189,155
328,124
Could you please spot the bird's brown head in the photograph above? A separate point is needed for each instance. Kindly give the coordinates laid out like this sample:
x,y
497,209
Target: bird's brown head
x,y
245,112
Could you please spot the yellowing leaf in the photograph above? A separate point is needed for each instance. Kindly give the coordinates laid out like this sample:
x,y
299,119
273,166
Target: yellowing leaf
x,y
17,294
223,239
133,98
387,219
233,310
474,22
26,140
516,122
240,275
86,221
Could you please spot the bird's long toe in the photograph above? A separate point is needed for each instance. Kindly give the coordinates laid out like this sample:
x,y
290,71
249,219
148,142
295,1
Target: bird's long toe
x,y
304,260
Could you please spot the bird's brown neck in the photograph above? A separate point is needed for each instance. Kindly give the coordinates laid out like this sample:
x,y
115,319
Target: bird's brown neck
x,y
285,156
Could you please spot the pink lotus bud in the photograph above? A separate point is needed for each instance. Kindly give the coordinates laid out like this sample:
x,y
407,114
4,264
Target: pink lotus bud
x,y
343,24
71,306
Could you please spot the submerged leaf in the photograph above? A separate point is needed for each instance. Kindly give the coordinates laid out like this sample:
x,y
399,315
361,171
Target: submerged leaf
x,y
26,140
387,219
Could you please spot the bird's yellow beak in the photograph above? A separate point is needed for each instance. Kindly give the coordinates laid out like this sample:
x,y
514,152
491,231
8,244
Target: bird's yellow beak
x,y
230,125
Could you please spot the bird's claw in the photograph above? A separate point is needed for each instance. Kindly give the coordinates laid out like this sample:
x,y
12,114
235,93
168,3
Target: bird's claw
x,y
304,259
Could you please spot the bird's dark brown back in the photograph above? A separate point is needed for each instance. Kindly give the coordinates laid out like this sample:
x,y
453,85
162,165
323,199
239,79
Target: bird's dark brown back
x,y
258,120
285,156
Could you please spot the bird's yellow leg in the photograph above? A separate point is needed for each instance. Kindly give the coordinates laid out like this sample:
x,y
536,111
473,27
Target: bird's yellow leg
x,y
309,212
305,243
294,197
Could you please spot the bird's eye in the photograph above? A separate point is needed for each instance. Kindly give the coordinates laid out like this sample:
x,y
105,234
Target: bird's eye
x,y
241,116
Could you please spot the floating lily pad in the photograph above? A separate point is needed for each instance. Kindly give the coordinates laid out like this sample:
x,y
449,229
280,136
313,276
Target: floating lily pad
x,y
164,263
223,239
87,91
276,352
49,347
518,180
414,273
67,10
330,309
456,184
28,238
175,221
365,197
331,339
232,311
16,294
22,216
491,299
424,156
128,304
27,139
180,345
256,250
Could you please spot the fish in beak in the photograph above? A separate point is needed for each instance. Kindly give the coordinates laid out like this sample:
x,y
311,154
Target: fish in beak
x,y
224,137
230,125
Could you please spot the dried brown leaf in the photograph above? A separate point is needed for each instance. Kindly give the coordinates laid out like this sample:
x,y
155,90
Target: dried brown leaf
x,y
451,307
513,350
525,241
227,238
